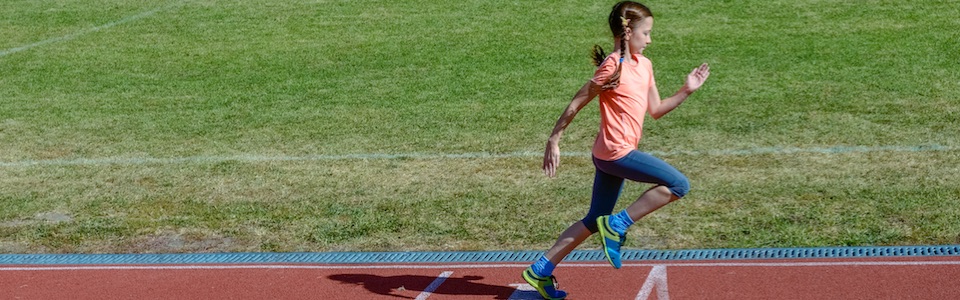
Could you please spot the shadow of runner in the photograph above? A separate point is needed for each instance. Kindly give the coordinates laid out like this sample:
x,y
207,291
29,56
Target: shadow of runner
x,y
387,285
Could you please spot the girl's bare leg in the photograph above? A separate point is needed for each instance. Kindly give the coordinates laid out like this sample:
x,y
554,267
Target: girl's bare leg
x,y
568,240
651,200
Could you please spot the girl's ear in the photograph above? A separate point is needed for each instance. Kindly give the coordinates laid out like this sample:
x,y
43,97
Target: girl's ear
x,y
626,33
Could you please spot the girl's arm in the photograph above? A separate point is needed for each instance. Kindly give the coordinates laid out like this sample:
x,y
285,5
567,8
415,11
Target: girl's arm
x,y
695,80
551,156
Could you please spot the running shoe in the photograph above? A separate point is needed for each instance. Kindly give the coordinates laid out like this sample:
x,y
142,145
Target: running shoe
x,y
546,286
611,240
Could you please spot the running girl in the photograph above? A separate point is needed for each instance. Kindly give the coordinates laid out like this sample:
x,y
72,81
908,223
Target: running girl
x,y
624,81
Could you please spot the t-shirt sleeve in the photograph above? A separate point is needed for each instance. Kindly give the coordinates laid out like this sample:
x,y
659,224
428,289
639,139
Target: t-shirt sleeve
x,y
653,82
605,70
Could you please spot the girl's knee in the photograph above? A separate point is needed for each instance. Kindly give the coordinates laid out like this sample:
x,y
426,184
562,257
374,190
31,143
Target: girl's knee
x,y
590,221
680,187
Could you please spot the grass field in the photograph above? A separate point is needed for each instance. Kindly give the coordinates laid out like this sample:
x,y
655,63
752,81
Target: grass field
x,y
312,125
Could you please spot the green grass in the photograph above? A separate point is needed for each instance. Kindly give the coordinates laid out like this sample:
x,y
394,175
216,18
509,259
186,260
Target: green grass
x,y
211,80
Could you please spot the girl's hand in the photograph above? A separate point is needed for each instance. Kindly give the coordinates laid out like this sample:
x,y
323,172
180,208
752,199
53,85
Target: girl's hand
x,y
551,158
697,77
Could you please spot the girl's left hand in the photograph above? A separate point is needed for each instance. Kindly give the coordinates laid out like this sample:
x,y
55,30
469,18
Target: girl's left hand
x,y
697,77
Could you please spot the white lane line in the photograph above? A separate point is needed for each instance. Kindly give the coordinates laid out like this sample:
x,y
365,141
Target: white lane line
x,y
479,266
657,279
434,285
85,31
469,155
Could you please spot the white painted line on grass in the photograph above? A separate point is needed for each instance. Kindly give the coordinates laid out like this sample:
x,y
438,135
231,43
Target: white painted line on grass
x,y
85,31
481,266
657,279
468,155
434,285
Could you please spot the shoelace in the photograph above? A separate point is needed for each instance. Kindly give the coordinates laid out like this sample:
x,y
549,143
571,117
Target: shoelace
x,y
623,239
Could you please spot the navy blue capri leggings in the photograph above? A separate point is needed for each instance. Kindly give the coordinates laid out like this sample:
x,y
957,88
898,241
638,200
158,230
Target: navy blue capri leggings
x,y
637,166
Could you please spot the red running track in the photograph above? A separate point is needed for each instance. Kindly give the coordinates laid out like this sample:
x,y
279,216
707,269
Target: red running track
x,y
873,278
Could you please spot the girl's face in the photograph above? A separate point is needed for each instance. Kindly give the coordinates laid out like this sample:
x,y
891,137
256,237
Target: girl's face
x,y
639,36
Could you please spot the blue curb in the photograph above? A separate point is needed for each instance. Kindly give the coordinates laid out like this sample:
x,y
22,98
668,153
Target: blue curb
x,y
470,257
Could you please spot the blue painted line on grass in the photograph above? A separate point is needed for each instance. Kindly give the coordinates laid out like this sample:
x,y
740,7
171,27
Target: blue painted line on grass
x,y
472,257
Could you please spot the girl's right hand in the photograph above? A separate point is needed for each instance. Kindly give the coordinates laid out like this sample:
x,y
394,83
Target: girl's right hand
x,y
551,158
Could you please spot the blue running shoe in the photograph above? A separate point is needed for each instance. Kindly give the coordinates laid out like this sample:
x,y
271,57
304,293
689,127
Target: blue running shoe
x,y
611,240
546,286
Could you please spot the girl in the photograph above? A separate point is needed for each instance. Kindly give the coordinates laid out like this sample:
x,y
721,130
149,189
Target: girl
x,y
624,81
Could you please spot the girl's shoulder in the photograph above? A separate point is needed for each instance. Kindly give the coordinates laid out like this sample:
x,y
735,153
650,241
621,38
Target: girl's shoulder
x,y
645,62
612,59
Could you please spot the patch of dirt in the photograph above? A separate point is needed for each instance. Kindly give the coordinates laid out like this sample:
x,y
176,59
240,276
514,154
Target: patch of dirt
x,y
182,241
50,217
53,217
10,247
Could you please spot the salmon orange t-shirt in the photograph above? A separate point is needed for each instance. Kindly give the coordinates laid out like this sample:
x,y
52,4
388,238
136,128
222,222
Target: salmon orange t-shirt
x,y
622,109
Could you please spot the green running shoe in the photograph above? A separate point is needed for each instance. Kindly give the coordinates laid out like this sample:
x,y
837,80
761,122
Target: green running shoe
x,y
611,240
546,286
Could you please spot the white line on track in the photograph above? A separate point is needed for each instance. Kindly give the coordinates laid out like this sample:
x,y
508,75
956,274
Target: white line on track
x,y
656,280
434,285
85,31
469,155
481,266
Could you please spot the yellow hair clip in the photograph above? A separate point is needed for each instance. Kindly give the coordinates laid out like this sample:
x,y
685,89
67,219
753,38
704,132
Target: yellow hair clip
x,y
624,21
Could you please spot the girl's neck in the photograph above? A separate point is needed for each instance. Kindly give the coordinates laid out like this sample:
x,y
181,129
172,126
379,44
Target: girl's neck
x,y
616,43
